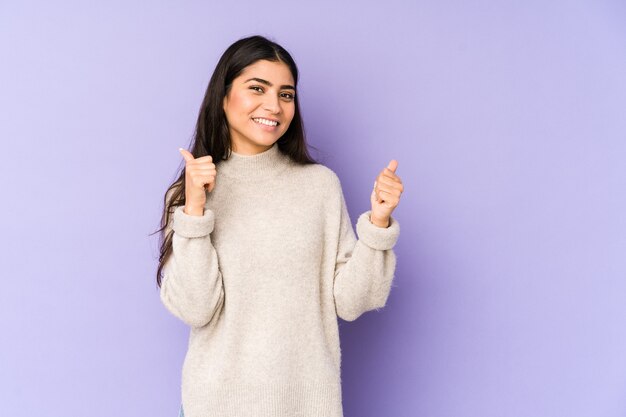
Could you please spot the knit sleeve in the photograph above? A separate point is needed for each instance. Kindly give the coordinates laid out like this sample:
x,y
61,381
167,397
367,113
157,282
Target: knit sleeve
x,y
365,267
192,287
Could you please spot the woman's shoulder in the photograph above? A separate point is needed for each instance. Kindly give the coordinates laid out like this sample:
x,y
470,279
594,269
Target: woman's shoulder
x,y
320,174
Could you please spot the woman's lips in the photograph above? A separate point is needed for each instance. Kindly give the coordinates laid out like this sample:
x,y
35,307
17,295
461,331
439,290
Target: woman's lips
x,y
265,127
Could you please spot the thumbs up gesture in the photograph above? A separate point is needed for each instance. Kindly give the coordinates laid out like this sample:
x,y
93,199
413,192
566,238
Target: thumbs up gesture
x,y
200,176
385,195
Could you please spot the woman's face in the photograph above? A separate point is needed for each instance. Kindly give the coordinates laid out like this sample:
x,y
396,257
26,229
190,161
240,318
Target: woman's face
x,y
263,94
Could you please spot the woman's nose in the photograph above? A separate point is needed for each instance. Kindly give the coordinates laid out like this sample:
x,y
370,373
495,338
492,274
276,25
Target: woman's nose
x,y
271,104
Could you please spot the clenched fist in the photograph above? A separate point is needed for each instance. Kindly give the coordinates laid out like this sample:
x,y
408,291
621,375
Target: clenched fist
x,y
200,176
386,194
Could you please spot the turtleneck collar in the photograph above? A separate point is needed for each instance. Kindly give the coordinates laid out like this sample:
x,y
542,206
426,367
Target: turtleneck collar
x,y
256,167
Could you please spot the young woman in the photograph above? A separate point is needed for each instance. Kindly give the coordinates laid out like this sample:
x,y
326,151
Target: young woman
x,y
258,254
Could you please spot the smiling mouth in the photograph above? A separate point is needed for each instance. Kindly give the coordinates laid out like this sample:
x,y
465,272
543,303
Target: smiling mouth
x,y
265,122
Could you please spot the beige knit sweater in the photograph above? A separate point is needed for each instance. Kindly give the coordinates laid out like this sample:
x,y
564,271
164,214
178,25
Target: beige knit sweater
x,y
261,278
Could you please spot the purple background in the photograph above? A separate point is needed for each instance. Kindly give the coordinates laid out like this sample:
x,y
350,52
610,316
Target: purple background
x,y
508,120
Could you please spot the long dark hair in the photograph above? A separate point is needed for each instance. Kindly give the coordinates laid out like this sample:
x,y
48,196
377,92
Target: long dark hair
x,y
212,136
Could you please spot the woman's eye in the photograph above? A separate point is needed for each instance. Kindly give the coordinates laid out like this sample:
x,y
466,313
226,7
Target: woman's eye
x,y
289,96
256,86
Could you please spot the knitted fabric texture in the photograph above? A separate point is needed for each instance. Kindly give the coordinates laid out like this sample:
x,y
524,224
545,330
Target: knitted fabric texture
x,y
261,279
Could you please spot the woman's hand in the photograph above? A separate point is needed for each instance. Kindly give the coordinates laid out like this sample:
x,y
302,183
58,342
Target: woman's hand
x,y
385,195
200,175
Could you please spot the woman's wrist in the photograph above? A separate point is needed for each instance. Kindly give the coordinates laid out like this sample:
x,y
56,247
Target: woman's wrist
x,y
384,223
193,211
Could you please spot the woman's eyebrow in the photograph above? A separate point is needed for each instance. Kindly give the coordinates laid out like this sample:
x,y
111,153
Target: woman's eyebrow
x,y
262,81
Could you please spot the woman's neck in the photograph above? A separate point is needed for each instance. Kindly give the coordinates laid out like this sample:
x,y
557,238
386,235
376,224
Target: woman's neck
x,y
255,167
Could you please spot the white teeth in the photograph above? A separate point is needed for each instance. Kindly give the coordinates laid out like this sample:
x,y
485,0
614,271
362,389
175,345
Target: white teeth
x,y
265,122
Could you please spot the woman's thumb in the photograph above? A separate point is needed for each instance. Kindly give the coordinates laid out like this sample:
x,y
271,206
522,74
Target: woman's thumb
x,y
186,154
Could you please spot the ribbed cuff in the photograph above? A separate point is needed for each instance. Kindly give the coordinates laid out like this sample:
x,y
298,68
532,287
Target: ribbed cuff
x,y
190,226
381,238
